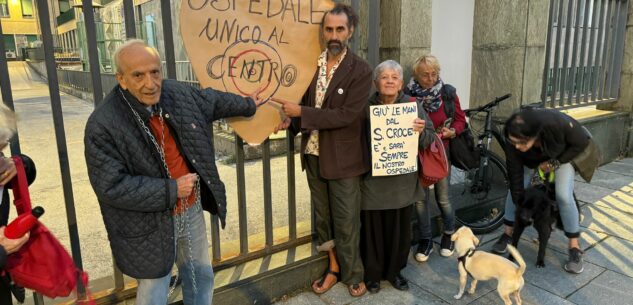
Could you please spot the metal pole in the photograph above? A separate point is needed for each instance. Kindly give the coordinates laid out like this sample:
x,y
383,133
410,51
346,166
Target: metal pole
x,y
583,63
565,67
292,197
607,50
592,47
548,52
5,87
573,74
170,58
599,50
130,22
93,53
58,121
373,39
555,69
268,202
241,194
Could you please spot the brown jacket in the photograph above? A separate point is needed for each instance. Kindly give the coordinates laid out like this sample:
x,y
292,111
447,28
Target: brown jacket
x,y
343,151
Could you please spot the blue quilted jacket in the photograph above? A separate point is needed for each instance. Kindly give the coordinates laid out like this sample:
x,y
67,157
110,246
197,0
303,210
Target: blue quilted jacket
x,y
127,175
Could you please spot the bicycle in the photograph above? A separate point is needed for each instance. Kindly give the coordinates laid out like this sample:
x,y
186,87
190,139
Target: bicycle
x,y
478,194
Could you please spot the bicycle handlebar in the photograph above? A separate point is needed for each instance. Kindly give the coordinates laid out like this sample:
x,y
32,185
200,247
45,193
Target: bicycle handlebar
x,y
490,105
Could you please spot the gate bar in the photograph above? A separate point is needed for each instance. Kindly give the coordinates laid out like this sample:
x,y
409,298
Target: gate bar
x,y
58,120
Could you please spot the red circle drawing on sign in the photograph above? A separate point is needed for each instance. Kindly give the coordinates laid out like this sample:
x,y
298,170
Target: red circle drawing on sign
x,y
231,64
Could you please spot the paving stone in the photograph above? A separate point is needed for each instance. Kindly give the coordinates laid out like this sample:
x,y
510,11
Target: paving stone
x,y
621,200
610,221
623,168
553,277
614,254
609,288
530,294
338,295
439,276
392,296
590,193
610,180
304,298
559,242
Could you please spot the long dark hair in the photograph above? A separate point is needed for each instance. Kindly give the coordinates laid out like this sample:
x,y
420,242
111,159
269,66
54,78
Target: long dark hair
x,y
525,124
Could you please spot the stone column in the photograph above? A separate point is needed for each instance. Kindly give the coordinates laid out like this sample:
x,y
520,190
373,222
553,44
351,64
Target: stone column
x,y
509,39
625,100
405,31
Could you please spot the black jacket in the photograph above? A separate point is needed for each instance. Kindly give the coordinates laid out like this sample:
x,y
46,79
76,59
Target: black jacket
x,y
128,177
562,138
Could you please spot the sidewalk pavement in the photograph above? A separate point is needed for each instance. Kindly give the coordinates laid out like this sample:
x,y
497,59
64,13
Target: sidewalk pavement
x,y
606,238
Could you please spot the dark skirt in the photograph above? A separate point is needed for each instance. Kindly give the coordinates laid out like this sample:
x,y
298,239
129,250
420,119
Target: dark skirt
x,y
385,242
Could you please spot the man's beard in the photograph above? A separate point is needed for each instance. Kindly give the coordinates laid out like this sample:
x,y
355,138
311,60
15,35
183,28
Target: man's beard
x,y
336,47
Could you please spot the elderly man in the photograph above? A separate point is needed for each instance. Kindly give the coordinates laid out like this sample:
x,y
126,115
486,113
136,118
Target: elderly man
x,y
150,157
332,120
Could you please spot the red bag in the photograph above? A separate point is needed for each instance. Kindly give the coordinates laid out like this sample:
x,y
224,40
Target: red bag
x,y
42,264
433,162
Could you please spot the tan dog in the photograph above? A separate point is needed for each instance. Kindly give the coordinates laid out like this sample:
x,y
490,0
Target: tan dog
x,y
483,266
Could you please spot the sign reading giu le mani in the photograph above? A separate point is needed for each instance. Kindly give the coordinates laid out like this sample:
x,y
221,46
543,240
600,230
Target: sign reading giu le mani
x,y
241,46
394,143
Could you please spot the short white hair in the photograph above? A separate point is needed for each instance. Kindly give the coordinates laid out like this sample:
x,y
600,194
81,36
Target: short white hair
x,y
129,43
390,65
7,124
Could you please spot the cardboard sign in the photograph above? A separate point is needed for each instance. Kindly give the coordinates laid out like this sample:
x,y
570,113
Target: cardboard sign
x,y
240,46
394,144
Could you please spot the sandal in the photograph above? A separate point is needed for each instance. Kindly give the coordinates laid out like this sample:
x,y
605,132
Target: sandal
x,y
320,282
357,290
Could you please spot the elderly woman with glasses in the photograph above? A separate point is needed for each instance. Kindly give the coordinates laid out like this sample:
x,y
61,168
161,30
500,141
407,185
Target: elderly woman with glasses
x,y
387,200
438,99
552,142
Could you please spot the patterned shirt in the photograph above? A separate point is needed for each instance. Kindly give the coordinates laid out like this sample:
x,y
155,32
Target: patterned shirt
x,y
323,81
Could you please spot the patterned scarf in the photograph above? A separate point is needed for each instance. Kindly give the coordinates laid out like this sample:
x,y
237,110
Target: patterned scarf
x,y
430,98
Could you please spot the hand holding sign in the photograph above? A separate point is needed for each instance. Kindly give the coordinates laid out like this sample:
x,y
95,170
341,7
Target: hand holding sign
x,y
418,125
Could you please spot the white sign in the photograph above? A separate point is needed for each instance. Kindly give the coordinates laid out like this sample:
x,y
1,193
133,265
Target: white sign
x,y
394,144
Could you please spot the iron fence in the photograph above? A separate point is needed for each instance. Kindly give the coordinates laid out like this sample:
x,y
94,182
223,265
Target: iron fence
x,y
98,83
585,45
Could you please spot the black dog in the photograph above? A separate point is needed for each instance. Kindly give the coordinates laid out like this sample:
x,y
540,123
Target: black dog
x,y
538,208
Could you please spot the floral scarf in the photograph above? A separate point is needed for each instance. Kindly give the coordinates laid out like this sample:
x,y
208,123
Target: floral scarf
x,y
430,98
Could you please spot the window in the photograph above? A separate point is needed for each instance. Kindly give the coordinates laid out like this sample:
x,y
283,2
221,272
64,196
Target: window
x,y
27,8
4,8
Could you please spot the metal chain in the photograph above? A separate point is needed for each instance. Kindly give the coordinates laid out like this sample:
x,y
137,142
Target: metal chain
x,y
181,219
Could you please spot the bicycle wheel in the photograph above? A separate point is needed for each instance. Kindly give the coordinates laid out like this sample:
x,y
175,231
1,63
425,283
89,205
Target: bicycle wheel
x,y
479,203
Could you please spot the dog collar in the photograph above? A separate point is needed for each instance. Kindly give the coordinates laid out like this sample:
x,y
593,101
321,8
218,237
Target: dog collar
x,y
462,259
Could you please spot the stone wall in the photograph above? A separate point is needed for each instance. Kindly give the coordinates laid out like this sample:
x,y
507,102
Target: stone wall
x,y
509,38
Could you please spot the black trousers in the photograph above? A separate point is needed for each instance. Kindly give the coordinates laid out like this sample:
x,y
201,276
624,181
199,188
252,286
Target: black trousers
x,y
385,242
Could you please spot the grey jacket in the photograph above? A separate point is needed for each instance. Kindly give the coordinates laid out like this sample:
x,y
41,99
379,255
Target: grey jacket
x,y
135,196
396,192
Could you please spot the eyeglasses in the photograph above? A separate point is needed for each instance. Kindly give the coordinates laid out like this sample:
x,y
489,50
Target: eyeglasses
x,y
518,142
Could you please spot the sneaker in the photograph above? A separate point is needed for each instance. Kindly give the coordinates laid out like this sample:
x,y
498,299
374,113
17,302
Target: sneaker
x,y
447,246
574,264
425,248
500,246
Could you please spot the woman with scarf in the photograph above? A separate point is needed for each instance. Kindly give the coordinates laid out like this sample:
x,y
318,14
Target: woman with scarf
x,y
429,89
386,206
